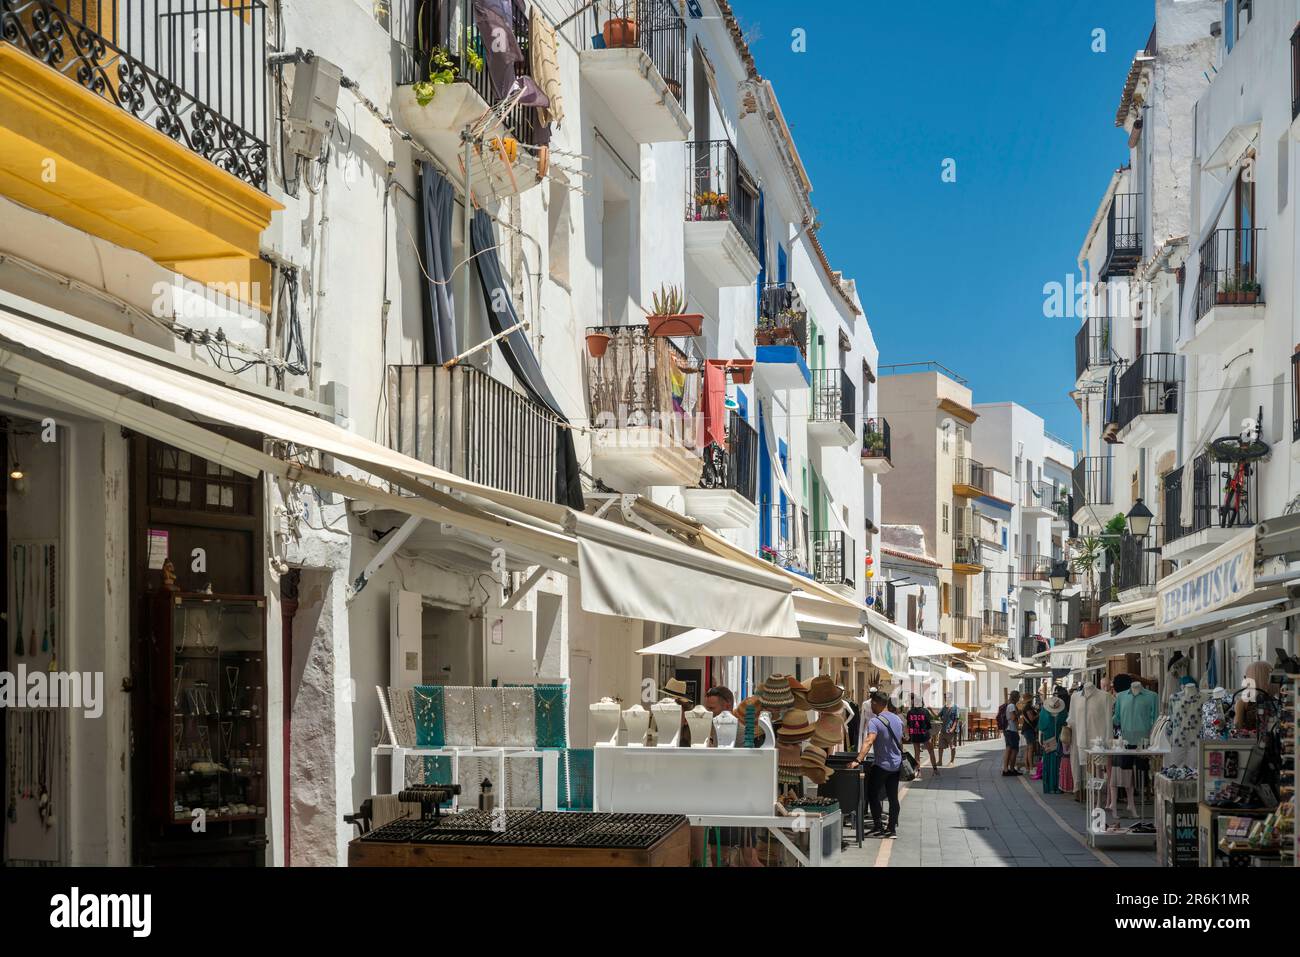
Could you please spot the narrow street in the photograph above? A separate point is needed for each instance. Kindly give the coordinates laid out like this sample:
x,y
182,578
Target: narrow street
x,y
971,816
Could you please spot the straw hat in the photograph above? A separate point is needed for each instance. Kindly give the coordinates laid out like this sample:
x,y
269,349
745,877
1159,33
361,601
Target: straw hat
x,y
675,688
829,732
787,756
775,694
824,694
795,726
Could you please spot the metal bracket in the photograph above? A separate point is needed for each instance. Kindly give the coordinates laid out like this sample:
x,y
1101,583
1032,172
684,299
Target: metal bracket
x,y
529,584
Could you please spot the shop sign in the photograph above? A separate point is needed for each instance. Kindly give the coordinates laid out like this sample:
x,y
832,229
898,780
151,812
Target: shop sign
x,y
1219,579
1182,845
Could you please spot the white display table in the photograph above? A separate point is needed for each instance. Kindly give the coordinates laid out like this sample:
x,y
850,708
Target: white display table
x,y
727,781
816,826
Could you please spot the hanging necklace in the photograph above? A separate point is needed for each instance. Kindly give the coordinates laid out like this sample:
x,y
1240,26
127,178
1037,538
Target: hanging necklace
x,y
34,570
54,604
43,765
12,813
20,595
49,598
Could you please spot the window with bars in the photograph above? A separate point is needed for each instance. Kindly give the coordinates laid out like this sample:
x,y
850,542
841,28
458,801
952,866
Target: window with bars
x,y
184,481
945,516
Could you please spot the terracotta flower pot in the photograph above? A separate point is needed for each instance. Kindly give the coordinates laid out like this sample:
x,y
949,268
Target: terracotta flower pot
x,y
1089,629
763,338
742,370
597,343
620,32
1223,298
685,324
1249,298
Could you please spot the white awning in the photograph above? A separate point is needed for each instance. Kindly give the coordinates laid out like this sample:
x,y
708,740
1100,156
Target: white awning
x,y
923,646
702,642
953,674
1073,654
623,571
1008,667
1224,623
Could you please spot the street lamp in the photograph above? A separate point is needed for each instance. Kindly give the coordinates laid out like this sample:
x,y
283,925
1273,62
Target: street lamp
x,y
1059,577
1139,519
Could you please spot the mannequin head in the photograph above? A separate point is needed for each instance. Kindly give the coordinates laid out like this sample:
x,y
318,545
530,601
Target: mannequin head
x,y
1135,688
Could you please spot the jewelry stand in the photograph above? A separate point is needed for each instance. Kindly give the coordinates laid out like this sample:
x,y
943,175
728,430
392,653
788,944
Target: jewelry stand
x,y
606,717
726,727
700,723
637,721
668,722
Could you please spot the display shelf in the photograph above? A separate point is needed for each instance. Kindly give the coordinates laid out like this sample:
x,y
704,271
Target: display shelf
x,y
816,826
1099,763
549,757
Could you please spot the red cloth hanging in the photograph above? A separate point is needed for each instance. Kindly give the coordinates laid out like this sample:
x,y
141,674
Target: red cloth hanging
x,y
715,402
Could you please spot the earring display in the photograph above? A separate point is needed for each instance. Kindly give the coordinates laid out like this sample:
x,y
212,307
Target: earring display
x,y
459,716
552,711
213,648
489,717
520,717
430,726
399,700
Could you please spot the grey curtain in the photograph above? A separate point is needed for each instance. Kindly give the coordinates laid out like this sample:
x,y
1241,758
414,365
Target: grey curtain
x,y
439,310
519,354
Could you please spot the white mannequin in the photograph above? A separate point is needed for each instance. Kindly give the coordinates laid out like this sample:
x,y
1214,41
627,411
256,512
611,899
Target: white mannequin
x,y
605,720
668,722
637,720
699,722
1089,721
725,729
769,733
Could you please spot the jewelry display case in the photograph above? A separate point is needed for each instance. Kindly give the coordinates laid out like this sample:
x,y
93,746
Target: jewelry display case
x,y
210,727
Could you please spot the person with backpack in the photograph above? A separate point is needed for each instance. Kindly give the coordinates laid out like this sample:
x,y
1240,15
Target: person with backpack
x,y
918,732
1008,718
884,739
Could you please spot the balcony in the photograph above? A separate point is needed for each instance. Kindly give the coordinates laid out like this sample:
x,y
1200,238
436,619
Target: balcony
x,y
634,57
1223,503
877,448
832,555
446,34
159,147
781,338
1148,396
1035,572
966,631
1123,235
721,214
1031,645
1139,566
966,554
643,396
726,495
1092,485
970,479
465,421
785,526
995,626
1229,297
833,416
1060,633
1040,500
1092,352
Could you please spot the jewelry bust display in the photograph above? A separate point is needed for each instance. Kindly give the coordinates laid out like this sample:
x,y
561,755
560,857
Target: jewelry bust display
x,y
637,720
725,729
606,716
699,721
668,722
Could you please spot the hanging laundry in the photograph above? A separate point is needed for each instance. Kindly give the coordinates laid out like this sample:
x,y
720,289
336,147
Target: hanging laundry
x,y
715,402
677,380
544,54
494,19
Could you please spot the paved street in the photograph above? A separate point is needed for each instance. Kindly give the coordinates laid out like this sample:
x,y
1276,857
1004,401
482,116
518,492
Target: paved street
x,y
971,816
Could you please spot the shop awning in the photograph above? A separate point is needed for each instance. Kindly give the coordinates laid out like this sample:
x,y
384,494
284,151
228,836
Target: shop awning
x,y
1224,623
1007,667
954,674
623,571
701,642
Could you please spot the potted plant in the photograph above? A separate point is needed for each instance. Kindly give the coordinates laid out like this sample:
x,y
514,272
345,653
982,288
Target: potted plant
x,y
666,316
442,72
1086,560
1227,294
724,201
741,370
597,343
620,32
707,201
763,337
1248,292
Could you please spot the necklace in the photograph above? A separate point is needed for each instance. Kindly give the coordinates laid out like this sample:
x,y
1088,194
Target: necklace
x,y
43,766
12,812
232,685
49,598
20,594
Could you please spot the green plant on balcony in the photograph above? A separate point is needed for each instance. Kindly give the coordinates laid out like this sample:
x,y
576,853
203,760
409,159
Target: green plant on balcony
x,y
1086,561
668,317
875,443
442,72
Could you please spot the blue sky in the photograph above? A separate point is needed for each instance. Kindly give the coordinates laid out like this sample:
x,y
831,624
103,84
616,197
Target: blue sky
x,y
1013,92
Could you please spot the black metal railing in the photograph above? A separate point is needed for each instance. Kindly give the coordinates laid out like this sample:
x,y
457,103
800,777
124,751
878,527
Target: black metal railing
x,y
967,471
488,432
719,187
734,467
782,317
1295,396
966,549
1092,482
1124,235
1092,345
1139,560
1295,73
834,397
644,381
1150,386
1229,270
1059,633
785,526
996,623
876,440
655,27
193,69
1031,645
1042,494
1223,496
966,629
1035,568
883,599
450,28
832,557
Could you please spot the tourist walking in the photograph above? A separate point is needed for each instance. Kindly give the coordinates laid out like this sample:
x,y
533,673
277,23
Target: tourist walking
x,y
883,738
919,726
949,727
1008,721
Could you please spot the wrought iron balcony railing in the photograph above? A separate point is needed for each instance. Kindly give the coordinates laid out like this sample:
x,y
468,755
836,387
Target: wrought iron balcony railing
x,y
734,467
450,28
1139,560
1229,270
834,397
966,629
193,69
965,549
1035,568
488,433
1042,494
1150,386
782,317
832,554
1124,235
1223,496
876,440
1092,482
719,187
644,381
1092,345
967,471
995,623
1060,633
783,526
655,26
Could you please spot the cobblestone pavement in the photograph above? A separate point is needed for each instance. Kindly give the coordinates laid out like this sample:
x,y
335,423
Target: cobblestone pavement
x,y
971,816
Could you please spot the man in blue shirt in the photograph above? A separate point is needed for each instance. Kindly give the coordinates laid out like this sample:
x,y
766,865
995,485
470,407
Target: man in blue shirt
x,y
883,736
